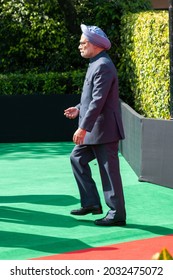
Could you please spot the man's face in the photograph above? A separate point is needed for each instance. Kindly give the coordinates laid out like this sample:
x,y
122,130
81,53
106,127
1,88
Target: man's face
x,y
87,50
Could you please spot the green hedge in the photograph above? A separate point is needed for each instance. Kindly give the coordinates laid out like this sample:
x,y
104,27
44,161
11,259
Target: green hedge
x,y
144,65
43,36
45,83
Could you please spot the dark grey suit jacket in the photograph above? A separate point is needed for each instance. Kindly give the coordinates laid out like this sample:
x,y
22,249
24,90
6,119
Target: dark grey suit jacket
x,y
99,106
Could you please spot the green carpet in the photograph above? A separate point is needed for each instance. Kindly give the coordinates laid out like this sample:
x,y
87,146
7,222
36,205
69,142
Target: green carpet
x,y
38,192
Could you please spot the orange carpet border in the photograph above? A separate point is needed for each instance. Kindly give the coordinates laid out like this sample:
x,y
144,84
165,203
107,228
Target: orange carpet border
x,y
142,249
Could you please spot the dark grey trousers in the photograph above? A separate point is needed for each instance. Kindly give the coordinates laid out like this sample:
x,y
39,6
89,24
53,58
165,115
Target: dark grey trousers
x,y
108,162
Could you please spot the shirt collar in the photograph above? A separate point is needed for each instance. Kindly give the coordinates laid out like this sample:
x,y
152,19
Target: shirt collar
x,y
97,56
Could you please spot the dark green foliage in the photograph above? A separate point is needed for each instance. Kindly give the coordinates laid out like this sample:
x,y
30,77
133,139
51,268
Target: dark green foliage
x,y
34,37
44,83
43,35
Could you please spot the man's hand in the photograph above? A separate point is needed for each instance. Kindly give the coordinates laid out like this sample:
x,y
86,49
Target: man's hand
x,y
79,135
71,113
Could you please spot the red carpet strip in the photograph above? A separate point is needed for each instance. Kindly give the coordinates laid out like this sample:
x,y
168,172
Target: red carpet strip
x,y
135,250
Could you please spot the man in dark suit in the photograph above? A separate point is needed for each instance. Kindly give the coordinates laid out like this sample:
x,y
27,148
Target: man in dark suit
x,y
99,131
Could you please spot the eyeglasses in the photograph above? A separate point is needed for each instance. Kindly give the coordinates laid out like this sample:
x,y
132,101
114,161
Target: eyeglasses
x,y
83,43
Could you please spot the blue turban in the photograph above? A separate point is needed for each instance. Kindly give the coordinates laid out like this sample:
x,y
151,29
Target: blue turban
x,y
96,36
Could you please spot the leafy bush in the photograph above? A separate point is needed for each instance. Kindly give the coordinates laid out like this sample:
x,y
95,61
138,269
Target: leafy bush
x,y
43,36
144,64
34,36
45,83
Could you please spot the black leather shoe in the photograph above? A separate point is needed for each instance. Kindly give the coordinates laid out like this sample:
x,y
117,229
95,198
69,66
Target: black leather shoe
x,y
109,222
87,210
